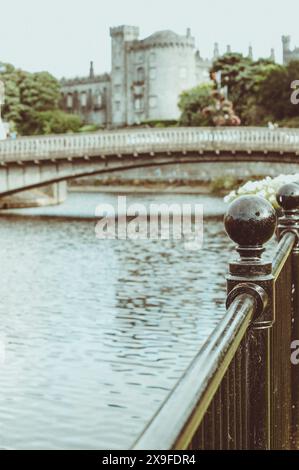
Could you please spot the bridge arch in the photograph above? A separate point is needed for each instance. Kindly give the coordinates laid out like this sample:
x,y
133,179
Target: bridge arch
x,y
31,162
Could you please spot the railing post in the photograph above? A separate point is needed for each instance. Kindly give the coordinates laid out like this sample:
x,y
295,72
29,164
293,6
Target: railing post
x,y
288,199
250,222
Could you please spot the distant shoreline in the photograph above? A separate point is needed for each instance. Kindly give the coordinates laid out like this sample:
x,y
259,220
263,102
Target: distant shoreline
x,y
158,188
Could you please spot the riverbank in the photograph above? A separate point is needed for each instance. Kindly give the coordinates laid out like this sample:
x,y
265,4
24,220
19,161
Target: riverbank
x,y
146,188
82,204
27,199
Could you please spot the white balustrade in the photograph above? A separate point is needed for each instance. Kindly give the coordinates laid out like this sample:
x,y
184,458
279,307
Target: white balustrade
x,y
133,141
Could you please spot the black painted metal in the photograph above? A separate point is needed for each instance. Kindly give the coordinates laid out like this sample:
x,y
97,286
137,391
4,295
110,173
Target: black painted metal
x,y
242,392
259,397
179,422
250,222
288,198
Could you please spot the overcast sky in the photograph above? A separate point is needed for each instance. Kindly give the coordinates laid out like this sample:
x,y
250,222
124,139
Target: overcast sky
x,y
62,36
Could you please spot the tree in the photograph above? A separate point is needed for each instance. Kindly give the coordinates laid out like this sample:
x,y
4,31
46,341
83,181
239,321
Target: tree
x,y
192,102
275,91
55,122
230,65
205,106
244,78
28,96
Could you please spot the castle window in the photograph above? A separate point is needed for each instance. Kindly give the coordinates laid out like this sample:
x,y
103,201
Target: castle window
x,y
138,90
83,99
117,74
140,74
138,104
183,72
98,101
117,105
140,57
69,101
117,89
153,102
152,73
152,58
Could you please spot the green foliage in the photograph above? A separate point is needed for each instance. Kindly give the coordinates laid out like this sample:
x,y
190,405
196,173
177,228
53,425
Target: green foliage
x,y
205,106
244,79
224,183
30,99
192,102
90,128
260,90
54,122
290,122
275,91
159,123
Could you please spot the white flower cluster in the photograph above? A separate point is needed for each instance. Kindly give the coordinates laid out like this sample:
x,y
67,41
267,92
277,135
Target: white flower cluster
x,y
266,188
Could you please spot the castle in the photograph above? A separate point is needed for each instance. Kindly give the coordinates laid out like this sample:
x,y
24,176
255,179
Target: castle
x,y
287,54
146,79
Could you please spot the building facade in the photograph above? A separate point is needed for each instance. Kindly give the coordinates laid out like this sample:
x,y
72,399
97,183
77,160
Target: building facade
x,y
87,96
288,54
146,79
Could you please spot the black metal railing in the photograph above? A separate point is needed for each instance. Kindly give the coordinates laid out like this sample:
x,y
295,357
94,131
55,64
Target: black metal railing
x,y
242,390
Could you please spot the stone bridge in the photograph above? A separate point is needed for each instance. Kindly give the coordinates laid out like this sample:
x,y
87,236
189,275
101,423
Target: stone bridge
x,y
29,162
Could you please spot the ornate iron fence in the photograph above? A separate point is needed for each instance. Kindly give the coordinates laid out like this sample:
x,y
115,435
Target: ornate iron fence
x,y
242,390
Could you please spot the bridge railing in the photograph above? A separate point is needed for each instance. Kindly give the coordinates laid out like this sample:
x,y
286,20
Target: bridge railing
x,y
139,141
242,390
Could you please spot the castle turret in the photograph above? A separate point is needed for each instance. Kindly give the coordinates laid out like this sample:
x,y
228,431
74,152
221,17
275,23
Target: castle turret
x,y
216,51
250,52
286,42
288,54
120,37
91,70
272,54
228,49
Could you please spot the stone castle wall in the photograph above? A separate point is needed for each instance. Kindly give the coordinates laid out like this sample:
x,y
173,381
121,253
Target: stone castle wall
x,y
146,79
155,78
288,53
88,98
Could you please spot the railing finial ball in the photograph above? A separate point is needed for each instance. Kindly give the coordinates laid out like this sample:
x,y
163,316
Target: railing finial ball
x,y
288,196
250,221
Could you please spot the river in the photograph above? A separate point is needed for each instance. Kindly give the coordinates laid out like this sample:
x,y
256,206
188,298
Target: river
x,y
97,332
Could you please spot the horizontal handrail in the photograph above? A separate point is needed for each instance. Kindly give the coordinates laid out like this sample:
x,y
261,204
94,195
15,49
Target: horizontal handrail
x,y
135,141
179,415
240,391
282,252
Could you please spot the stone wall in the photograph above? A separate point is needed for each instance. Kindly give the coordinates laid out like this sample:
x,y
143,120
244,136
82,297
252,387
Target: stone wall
x,y
146,79
88,98
202,172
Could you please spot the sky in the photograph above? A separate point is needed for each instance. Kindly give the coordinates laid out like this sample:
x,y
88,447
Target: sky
x,y
62,36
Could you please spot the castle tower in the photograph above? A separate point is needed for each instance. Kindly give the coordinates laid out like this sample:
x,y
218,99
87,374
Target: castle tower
x,y
216,51
272,54
228,49
162,65
120,38
250,52
91,70
286,42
